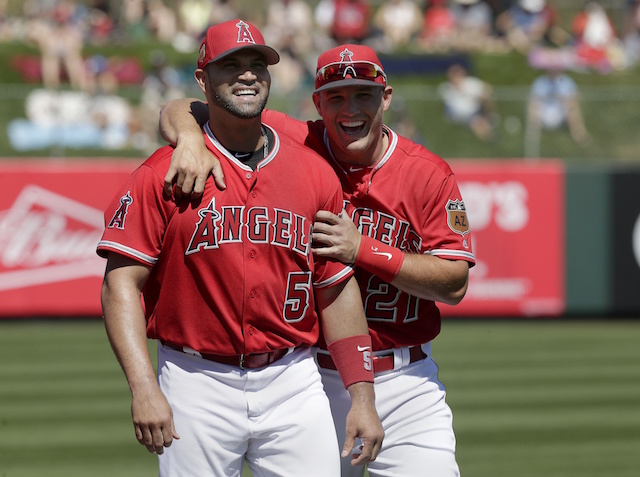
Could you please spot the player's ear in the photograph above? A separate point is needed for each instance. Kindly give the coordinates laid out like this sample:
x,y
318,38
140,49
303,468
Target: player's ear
x,y
201,79
387,94
317,103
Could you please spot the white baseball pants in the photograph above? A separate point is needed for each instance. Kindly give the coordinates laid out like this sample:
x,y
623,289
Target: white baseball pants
x,y
418,423
276,418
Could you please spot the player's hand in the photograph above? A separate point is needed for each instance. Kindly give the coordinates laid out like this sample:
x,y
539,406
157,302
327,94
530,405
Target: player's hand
x,y
335,237
191,163
153,420
363,423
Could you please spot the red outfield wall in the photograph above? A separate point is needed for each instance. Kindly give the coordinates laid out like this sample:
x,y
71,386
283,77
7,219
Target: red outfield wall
x,y
516,212
51,218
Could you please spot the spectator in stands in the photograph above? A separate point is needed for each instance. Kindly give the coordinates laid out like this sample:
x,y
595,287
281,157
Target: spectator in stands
x,y
596,43
195,16
291,72
108,112
6,23
290,25
133,18
553,104
527,23
100,22
162,20
290,29
401,120
474,26
351,21
222,11
60,41
101,77
399,22
71,119
438,27
631,33
468,100
323,16
162,83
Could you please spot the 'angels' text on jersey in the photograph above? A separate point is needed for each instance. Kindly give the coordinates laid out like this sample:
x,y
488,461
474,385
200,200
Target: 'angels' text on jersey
x,y
387,228
232,224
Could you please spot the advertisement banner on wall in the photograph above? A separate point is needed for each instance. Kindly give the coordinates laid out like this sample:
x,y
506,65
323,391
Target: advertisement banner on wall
x,y
516,213
51,218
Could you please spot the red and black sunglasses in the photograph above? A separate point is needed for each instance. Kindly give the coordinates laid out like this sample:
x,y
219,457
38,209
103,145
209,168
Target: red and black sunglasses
x,y
361,70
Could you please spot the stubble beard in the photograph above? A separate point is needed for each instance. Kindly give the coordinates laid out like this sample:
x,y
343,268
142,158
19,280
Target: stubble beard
x,y
243,111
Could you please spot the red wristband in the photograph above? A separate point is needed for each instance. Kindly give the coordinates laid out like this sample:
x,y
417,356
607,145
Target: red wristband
x,y
380,259
353,359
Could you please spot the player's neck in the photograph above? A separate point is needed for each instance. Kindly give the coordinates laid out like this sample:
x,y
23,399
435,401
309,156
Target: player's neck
x,y
367,158
237,134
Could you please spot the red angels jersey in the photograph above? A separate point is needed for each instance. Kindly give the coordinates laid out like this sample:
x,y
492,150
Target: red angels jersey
x,y
232,273
431,220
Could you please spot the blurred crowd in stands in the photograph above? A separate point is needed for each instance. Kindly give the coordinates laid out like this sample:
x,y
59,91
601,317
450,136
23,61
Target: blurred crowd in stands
x,y
299,30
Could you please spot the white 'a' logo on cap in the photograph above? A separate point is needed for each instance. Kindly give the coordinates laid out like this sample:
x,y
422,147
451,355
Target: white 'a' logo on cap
x,y
244,35
347,57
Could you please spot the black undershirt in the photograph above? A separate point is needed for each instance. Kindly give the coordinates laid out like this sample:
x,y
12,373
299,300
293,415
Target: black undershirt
x,y
252,159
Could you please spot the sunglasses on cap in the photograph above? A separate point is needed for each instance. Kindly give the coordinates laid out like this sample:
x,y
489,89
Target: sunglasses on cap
x,y
339,71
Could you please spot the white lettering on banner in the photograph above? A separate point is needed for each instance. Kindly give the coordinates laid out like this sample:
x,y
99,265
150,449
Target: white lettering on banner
x,y
503,202
37,244
482,287
635,241
499,289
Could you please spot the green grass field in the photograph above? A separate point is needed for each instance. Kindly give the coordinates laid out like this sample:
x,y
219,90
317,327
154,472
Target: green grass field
x,y
530,399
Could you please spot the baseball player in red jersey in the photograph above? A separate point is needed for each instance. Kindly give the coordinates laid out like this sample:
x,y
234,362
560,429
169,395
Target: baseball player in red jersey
x,y
230,291
408,238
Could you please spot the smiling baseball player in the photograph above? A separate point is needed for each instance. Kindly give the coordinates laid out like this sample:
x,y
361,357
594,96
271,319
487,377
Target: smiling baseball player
x,y
231,290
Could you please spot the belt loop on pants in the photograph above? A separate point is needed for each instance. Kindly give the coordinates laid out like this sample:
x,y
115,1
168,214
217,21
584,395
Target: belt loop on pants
x,y
386,360
244,361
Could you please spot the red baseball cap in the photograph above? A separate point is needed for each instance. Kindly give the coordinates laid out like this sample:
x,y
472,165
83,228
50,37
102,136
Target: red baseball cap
x,y
347,65
228,37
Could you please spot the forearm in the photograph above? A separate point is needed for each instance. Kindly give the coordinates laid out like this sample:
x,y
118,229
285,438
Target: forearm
x,y
420,275
183,118
126,330
341,311
423,276
433,278
129,344
362,394
347,334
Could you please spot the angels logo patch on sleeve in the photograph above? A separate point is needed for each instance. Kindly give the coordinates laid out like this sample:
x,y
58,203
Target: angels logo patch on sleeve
x,y
117,221
457,217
